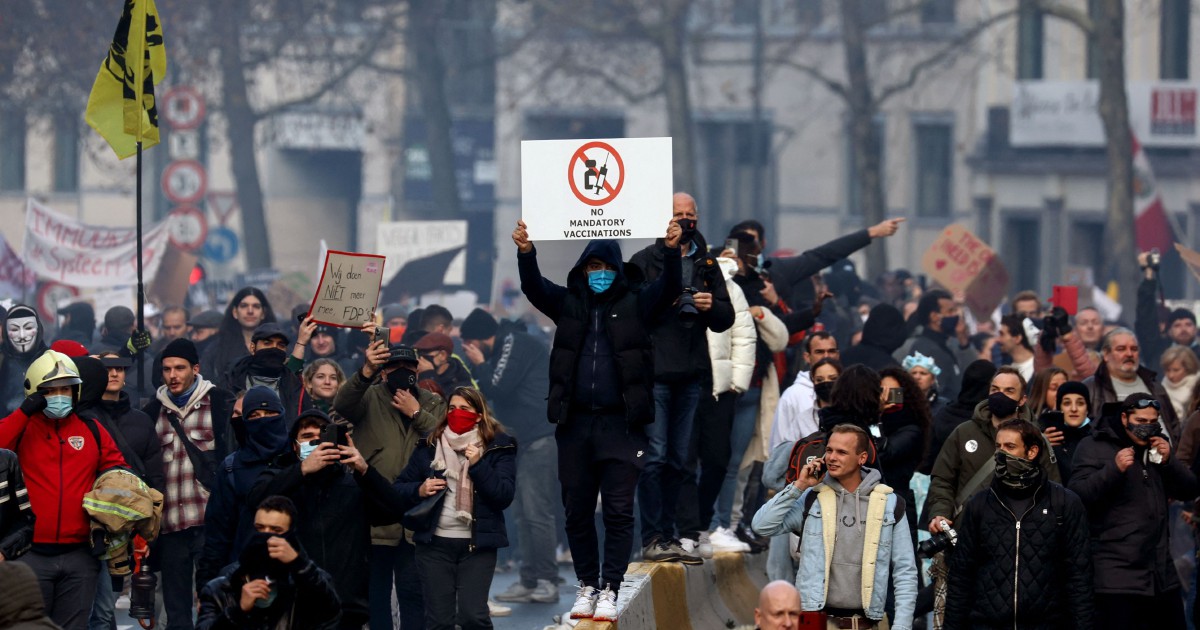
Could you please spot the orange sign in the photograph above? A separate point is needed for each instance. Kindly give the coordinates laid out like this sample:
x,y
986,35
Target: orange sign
x,y
961,262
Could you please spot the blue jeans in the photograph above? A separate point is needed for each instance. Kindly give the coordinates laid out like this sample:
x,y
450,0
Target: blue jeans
x,y
103,607
670,436
745,418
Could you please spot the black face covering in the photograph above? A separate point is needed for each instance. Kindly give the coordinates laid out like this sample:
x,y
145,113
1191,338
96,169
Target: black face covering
x,y
1144,432
402,378
268,362
1001,405
823,391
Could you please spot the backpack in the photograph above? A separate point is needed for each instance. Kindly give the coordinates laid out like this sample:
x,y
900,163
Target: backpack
x,y
811,447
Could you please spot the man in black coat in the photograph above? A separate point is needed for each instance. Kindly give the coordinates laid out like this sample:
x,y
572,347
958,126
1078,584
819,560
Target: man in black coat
x,y
601,396
265,366
681,365
1022,558
16,516
1126,472
882,334
941,338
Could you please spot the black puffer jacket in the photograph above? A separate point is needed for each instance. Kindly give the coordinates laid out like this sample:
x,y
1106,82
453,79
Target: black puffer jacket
x,y
882,335
1128,511
131,430
16,516
1046,561
900,452
515,378
309,597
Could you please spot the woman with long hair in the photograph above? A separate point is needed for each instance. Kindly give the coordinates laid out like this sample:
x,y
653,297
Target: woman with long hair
x,y
468,466
321,379
905,427
247,310
1043,390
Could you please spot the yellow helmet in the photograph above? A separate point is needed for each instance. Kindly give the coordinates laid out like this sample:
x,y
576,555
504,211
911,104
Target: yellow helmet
x,y
52,369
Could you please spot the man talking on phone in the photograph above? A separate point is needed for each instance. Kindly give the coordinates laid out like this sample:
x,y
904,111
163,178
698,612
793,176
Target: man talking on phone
x,y
390,413
837,501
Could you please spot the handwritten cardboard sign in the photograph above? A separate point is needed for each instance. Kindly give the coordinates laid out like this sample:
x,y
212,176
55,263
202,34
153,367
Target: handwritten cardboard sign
x,y
962,263
349,289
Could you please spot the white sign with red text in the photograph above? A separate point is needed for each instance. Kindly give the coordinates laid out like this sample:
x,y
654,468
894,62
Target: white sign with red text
x,y
65,250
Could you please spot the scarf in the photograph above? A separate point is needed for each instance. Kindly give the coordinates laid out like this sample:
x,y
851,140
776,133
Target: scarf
x,y
448,457
182,399
1180,393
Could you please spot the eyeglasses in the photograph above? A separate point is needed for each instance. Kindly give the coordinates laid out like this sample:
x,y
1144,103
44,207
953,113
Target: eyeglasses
x,y
1144,403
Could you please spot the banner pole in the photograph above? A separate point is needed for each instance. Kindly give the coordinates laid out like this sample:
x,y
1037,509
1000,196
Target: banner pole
x,y
141,289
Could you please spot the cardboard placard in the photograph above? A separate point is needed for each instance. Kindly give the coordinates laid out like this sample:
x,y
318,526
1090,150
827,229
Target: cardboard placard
x,y
961,262
349,289
1066,297
586,189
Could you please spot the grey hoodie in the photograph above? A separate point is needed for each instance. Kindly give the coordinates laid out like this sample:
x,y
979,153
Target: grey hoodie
x,y
845,573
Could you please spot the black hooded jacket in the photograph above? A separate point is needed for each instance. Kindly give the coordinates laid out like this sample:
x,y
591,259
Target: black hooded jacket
x,y
602,358
132,430
290,389
1127,512
515,378
308,601
15,363
882,335
681,351
82,327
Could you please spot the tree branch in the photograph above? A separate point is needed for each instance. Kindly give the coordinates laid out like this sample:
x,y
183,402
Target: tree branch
x,y
833,85
354,63
1071,14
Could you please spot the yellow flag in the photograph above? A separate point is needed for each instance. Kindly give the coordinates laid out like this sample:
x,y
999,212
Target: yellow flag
x,y
121,107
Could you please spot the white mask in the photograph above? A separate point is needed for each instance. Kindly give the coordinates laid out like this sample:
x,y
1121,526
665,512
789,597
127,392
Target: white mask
x,y
22,332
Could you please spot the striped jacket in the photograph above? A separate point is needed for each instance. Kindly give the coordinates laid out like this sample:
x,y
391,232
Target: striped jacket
x,y
16,516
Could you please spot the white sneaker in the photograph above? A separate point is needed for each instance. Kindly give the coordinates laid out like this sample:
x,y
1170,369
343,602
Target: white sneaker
x,y
688,544
704,547
606,606
724,540
585,603
498,610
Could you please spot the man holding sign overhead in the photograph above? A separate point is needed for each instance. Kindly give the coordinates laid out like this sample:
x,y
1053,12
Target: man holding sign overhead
x,y
601,397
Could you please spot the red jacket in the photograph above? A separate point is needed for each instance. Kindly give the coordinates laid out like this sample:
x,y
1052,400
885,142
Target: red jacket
x,y
60,462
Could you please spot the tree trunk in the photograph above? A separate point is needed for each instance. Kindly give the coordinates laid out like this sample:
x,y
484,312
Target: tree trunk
x,y
1119,232
240,121
868,178
679,103
429,69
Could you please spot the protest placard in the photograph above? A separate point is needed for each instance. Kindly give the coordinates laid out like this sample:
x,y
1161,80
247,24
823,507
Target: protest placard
x,y
405,241
585,189
349,289
15,278
962,263
67,251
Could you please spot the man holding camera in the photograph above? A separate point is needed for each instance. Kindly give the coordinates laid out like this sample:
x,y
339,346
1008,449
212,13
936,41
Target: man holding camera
x,y
390,413
681,366
1022,558
1126,472
847,507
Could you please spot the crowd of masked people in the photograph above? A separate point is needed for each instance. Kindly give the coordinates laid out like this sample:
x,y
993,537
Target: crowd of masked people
x,y
693,399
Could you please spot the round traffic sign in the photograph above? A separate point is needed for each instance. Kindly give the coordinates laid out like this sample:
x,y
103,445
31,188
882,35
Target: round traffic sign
x,y
52,295
184,181
596,173
183,107
187,228
221,245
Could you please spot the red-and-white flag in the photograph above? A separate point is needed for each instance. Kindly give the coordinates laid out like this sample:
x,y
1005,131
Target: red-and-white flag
x,y
1149,215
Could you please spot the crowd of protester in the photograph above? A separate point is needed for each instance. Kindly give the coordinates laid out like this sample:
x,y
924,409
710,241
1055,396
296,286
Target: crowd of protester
x,y
897,456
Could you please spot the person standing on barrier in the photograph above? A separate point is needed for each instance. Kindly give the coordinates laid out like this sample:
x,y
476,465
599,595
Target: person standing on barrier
x,y
601,397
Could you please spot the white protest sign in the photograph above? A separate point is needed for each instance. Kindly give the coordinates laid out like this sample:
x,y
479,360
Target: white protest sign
x,y
67,251
403,241
585,189
349,289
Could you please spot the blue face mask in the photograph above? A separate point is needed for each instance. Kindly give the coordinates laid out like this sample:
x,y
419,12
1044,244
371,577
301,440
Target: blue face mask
x,y
758,263
58,406
306,449
266,603
600,281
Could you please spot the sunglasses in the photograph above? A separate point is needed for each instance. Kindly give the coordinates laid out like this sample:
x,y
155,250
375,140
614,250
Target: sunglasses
x,y
1144,404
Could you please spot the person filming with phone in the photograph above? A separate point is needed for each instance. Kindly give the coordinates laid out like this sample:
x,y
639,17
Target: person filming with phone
x,y
837,500
390,415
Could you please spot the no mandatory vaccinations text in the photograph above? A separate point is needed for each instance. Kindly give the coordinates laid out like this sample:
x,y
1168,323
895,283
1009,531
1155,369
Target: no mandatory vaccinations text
x,y
595,223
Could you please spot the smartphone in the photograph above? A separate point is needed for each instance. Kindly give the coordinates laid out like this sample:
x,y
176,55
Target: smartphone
x,y
1053,419
382,333
732,244
895,396
335,433
821,468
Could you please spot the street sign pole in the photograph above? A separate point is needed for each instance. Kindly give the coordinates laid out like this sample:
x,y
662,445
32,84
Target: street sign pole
x,y
141,288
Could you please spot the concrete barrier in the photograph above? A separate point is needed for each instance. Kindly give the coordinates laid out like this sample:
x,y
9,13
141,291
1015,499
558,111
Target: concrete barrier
x,y
721,593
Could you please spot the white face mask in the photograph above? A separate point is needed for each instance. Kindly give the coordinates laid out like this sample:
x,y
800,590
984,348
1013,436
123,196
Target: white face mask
x,y
22,332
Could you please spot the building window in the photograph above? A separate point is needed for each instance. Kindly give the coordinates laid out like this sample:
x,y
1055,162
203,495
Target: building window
x,y
66,154
1022,251
728,156
935,165
1093,51
937,12
12,149
1030,39
1174,40
853,201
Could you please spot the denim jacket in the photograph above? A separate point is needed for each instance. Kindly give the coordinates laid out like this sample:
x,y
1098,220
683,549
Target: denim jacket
x,y
894,555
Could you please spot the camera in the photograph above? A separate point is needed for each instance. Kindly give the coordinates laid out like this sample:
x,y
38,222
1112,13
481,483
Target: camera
x,y
686,308
895,396
937,543
1154,259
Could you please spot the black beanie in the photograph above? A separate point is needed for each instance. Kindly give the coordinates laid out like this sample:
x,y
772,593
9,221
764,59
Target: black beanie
x,y
181,349
478,325
1074,387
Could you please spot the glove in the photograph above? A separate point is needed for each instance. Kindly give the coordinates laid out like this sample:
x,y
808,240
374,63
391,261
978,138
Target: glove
x,y
1059,319
138,341
33,403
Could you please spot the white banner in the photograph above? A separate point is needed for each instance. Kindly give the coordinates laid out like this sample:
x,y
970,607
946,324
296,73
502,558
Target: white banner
x,y
403,241
15,277
1064,113
586,189
65,250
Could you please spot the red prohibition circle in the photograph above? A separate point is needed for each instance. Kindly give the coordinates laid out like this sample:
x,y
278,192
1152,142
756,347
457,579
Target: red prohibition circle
x,y
579,155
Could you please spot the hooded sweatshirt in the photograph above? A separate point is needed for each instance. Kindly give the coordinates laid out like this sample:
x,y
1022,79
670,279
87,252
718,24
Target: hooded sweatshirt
x,y
845,572
12,373
82,326
882,334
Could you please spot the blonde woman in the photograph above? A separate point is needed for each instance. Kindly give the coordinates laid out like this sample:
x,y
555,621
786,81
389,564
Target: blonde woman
x,y
1180,370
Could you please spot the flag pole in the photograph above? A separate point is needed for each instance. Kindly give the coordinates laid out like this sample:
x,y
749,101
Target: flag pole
x,y
141,290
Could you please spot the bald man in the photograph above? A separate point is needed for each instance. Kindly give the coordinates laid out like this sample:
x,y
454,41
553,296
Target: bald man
x,y
778,607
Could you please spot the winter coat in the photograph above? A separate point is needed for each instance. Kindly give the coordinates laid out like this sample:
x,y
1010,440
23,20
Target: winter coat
x,y
969,447
494,476
385,437
1100,391
1127,512
1189,440
134,434
882,334
944,423
310,601
945,354
900,452
1065,452
456,375
602,358
1031,570
516,379
82,327
22,606
731,351
290,388
220,404
772,335
888,545
16,513
681,352
791,274
796,413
